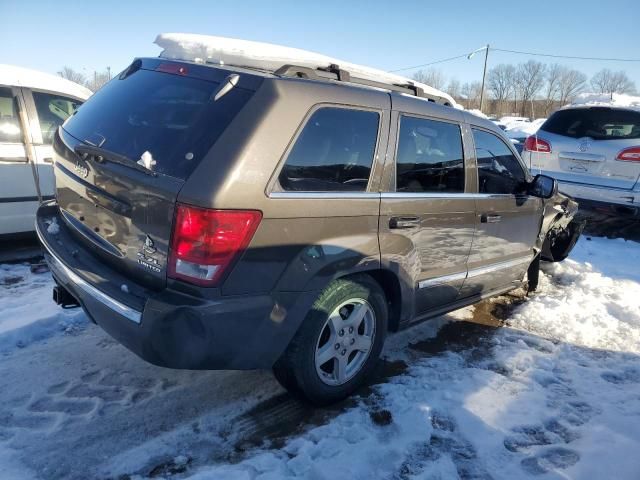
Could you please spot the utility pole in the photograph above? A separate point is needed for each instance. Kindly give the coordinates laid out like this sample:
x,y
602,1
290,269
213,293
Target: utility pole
x,y
484,72
109,73
484,76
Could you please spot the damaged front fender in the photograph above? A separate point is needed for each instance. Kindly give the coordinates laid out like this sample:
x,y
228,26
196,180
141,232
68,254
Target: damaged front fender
x,y
560,229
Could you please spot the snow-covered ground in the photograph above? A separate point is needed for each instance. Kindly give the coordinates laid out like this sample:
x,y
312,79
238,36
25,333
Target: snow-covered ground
x,y
541,387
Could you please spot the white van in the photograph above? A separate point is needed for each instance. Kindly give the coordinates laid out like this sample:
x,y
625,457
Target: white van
x,y
32,106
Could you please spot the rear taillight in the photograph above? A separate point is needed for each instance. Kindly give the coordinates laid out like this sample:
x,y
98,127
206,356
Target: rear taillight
x,y
536,144
206,242
629,155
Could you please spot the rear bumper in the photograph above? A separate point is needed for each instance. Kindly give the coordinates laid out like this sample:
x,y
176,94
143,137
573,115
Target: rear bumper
x,y
171,328
601,196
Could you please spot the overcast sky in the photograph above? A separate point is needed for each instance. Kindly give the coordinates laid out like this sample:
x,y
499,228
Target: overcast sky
x,y
46,35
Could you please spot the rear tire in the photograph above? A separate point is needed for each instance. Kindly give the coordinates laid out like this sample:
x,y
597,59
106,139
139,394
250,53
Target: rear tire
x,y
338,345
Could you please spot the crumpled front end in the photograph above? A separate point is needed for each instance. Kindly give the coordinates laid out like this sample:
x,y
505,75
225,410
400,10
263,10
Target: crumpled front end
x,y
560,228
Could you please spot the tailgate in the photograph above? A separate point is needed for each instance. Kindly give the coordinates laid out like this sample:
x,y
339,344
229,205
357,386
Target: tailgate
x,y
122,215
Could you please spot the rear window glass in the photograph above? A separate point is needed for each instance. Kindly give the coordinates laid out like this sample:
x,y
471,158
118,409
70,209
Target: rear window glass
x,y
172,117
597,123
334,152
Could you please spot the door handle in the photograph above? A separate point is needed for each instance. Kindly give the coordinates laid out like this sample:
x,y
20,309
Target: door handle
x,y
488,218
404,222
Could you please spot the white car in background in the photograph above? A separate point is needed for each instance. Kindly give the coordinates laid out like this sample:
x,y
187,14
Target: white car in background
x,y
594,152
32,106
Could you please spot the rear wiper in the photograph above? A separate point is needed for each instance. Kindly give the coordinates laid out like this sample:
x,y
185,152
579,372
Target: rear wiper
x,y
102,155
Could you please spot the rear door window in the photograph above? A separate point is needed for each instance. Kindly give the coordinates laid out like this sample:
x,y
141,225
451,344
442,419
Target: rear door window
x,y
599,123
11,137
173,117
334,152
53,110
429,157
499,171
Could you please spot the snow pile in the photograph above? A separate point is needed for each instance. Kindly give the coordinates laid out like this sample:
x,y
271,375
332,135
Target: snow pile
x,y
602,309
606,100
507,120
519,129
24,77
267,56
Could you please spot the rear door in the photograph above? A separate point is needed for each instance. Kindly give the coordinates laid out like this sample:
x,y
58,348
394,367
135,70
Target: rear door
x,y
586,144
18,193
426,219
507,220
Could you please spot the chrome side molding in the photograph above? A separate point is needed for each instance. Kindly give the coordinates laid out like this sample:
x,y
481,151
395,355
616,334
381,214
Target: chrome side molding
x,y
474,272
430,282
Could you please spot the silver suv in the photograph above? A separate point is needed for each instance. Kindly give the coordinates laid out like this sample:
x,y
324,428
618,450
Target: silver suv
x,y
594,152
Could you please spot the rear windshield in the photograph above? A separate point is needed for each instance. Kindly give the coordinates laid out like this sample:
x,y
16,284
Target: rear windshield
x,y
172,117
597,123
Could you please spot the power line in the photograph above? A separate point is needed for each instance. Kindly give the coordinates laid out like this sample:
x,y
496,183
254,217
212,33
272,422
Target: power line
x,y
430,63
603,59
572,57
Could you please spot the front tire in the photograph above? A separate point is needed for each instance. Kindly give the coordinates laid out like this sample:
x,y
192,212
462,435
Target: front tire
x,y
338,345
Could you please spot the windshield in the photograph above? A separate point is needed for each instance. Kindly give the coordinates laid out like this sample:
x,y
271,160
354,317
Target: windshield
x,y
170,121
599,123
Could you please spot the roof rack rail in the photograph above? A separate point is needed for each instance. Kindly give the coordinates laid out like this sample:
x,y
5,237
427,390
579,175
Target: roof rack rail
x,y
334,72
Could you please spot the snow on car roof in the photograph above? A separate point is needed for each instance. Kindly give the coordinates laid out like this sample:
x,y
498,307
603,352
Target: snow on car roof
x,y
24,77
605,100
270,57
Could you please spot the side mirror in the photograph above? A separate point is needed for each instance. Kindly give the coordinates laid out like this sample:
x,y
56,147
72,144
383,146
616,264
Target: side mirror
x,y
543,186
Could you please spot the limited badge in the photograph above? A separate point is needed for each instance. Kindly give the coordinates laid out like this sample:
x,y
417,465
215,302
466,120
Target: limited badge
x,y
146,256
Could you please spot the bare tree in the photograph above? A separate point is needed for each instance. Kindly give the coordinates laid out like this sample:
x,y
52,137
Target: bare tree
x,y
70,74
571,83
501,82
606,81
453,88
432,77
601,81
552,87
99,79
529,79
470,92
621,83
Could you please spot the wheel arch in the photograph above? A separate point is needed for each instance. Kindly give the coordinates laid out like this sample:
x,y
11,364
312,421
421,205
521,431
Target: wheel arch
x,y
390,284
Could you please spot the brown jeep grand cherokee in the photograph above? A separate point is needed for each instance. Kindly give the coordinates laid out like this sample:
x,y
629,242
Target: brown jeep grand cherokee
x,y
225,218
